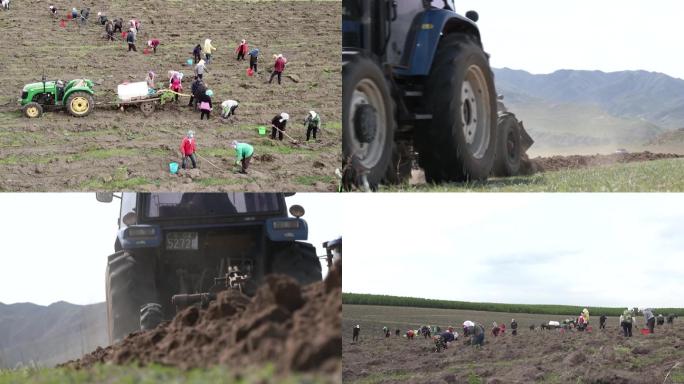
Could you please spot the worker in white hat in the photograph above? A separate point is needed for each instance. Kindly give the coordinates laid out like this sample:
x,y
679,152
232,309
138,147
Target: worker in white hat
x,y
312,124
278,124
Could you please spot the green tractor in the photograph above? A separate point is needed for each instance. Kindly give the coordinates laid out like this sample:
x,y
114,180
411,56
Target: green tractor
x,y
76,96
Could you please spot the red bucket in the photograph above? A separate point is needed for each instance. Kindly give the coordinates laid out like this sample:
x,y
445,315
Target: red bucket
x,y
645,331
250,72
123,34
62,23
146,51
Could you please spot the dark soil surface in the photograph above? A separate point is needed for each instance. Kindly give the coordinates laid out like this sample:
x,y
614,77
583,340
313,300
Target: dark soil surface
x,y
559,163
111,149
297,328
599,356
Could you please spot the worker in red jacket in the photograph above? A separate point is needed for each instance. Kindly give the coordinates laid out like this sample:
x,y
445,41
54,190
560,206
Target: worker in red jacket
x,y
278,67
154,43
188,148
242,50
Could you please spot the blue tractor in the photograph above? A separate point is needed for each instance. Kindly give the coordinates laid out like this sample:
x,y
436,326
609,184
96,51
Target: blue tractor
x,y
173,250
416,80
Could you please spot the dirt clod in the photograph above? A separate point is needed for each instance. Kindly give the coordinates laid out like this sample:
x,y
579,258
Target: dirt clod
x,y
295,327
558,163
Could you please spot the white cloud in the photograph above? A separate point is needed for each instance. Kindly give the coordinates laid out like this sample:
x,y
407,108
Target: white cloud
x,y
609,35
583,249
55,245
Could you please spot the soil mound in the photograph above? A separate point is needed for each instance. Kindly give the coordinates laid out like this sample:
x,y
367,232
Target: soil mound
x,y
297,328
558,163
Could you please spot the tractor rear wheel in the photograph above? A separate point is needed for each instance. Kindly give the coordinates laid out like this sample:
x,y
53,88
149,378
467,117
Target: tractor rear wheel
x,y
299,261
461,143
368,123
147,108
32,110
130,284
79,104
508,152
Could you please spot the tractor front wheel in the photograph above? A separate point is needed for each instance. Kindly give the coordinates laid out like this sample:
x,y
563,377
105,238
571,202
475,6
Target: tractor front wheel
x,y
368,121
80,104
32,110
461,143
130,285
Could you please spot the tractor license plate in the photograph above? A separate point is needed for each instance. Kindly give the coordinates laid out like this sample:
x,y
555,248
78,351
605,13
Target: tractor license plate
x,y
181,240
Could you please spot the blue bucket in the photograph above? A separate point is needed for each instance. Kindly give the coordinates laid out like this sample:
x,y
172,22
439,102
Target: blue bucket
x,y
189,61
173,167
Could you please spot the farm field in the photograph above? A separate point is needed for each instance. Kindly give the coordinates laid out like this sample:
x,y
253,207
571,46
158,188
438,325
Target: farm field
x,y
531,356
115,150
573,174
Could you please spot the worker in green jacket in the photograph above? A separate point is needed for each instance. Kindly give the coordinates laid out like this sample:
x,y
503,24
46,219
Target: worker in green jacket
x,y
244,153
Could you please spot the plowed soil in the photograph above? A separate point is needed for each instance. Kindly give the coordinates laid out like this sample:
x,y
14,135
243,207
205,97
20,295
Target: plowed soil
x,y
110,149
559,163
296,328
599,356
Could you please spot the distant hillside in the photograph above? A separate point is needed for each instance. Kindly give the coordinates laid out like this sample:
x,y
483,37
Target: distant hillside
x,y
653,97
590,108
50,335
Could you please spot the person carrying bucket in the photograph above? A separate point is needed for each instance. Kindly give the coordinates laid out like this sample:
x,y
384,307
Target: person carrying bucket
x,y
312,124
205,104
244,154
208,50
228,108
188,148
278,124
253,59
242,50
74,14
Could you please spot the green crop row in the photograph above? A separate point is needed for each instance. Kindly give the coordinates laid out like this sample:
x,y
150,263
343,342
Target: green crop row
x,y
543,309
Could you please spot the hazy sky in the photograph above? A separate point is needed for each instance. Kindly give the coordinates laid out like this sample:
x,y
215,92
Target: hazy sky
x,y
609,35
579,249
55,246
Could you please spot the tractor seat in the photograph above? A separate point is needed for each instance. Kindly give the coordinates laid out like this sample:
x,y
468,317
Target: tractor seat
x,y
59,85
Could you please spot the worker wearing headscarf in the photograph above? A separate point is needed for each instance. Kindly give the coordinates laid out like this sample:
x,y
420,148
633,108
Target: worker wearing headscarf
x,y
208,49
242,50
244,154
278,67
312,124
278,124
187,149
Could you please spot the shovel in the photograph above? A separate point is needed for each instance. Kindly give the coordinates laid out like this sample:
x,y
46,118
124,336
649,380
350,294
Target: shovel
x,y
295,142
